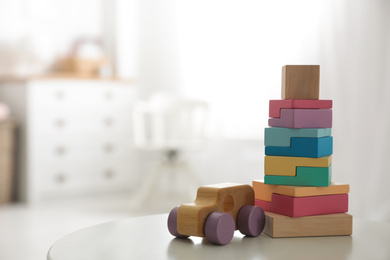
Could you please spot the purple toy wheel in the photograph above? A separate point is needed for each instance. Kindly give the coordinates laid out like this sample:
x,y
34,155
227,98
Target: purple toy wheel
x,y
172,223
251,220
219,228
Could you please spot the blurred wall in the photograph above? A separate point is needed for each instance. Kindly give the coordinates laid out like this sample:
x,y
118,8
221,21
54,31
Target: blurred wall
x,y
34,33
355,57
47,29
230,53
158,47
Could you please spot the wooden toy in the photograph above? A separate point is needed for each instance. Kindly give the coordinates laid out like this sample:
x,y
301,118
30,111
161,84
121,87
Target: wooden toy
x,y
277,225
217,211
304,147
305,206
301,82
281,136
286,166
303,118
264,191
306,176
276,105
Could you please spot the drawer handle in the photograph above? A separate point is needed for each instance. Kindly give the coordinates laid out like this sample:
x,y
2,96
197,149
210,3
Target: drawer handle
x,y
108,95
60,150
108,148
108,121
109,174
60,95
60,178
60,123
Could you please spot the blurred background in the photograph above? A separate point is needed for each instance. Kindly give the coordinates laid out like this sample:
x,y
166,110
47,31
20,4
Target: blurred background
x,y
114,109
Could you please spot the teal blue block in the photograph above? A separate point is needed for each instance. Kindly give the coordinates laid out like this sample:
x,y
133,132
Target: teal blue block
x,y
279,136
304,147
305,176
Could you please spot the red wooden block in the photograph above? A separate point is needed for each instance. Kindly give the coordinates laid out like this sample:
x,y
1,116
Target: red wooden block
x,y
305,206
276,105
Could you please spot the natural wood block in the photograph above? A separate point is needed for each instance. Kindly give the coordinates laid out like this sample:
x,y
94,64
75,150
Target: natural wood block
x,y
265,191
286,166
321,225
225,197
305,206
301,82
276,105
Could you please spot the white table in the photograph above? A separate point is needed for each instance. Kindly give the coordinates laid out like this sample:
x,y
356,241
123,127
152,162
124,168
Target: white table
x,y
148,238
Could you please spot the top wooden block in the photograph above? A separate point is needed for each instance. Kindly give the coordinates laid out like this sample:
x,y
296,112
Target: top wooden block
x,y
301,82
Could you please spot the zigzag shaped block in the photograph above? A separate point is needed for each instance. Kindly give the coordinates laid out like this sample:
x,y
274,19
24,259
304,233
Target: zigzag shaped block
x,y
303,118
276,105
304,147
264,191
321,225
306,176
286,166
305,206
280,136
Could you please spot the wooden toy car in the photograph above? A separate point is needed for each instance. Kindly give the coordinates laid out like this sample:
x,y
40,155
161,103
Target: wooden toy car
x,y
217,212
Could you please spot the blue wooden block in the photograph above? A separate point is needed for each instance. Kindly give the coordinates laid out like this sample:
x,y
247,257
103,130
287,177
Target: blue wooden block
x,y
280,136
304,147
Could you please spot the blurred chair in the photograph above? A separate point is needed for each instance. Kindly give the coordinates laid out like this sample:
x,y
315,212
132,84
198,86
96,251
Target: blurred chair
x,y
170,125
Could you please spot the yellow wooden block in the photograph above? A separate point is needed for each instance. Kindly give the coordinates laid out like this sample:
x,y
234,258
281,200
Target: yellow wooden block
x,y
264,191
301,82
286,166
321,225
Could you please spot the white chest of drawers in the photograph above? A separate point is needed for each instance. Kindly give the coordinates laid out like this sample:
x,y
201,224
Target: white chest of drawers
x,y
74,136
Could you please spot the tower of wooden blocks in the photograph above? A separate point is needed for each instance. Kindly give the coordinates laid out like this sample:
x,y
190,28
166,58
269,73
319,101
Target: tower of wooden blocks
x,y
297,192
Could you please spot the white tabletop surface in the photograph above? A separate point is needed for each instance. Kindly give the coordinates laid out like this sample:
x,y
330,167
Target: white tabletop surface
x,y
148,238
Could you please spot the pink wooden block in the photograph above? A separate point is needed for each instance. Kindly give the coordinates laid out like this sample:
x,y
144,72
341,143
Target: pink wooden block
x,y
303,118
276,105
305,206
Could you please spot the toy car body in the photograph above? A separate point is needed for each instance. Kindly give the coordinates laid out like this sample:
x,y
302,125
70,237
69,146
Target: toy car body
x,y
217,212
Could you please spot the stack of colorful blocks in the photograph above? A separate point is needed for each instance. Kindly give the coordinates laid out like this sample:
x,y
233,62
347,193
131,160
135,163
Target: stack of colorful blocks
x,y
297,192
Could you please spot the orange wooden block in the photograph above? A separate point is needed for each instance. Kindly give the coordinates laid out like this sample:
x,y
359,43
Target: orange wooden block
x,y
321,225
225,197
265,191
301,82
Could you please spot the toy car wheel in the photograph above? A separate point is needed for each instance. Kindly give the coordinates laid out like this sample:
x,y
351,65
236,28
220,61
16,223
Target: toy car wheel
x,y
219,228
172,223
251,220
